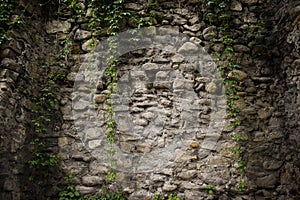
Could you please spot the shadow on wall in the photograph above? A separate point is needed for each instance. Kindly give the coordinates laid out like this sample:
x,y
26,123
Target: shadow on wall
x,y
272,149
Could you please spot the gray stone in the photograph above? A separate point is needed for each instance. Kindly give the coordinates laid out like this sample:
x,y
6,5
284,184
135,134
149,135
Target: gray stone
x,y
211,87
190,185
94,144
99,98
179,20
16,46
296,67
194,20
165,22
193,143
166,102
82,34
162,85
167,171
157,177
150,66
193,28
134,6
185,156
89,45
143,148
5,53
201,79
209,144
169,30
268,181
265,113
187,67
141,122
196,40
147,115
81,157
272,164
56,26
62,141
160,59
138,75
218,47
250,19
236,6
217,161
92,180
237,75
140,194
194,194
3,86
177,58
85,190
241,48
161,143
169,187
187,174
80,105
127,147
295,11
250,1
182,84
162,75
128,190
209,33
188,47
183,12
71,76
9,184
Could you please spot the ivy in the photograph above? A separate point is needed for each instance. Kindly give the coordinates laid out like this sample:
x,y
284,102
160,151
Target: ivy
x,y
109,16
6,10
172,196
70,193
217,14
43,161
210,189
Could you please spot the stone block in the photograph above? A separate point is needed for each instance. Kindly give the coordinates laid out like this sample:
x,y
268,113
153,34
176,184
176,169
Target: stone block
x,y
56,26
187,48
85,190
82,34
169,187
187,174
92,180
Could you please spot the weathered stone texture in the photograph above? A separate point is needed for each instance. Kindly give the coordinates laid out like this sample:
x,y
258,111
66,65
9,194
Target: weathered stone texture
x,y
164,101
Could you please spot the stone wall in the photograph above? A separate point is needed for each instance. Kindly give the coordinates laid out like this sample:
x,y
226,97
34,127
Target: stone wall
x,y
173,134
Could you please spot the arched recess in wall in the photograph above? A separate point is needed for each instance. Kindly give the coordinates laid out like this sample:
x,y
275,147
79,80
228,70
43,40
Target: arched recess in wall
x,y
169,94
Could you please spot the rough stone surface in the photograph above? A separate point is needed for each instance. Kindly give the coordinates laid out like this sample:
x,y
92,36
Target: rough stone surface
x,y
169,187
57,26
165,101
82,34
236,6
209,33
188,47
238,75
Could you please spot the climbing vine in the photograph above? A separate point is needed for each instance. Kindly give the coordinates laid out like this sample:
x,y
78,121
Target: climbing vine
x,y
42,160
217,14
6,10
112,15
105,14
